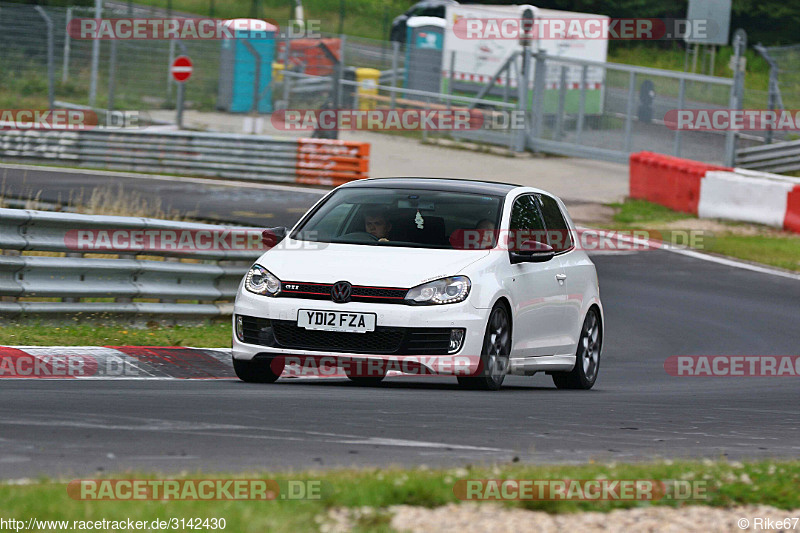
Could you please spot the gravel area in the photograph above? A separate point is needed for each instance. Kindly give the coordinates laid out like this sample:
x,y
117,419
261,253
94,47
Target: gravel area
x,y
479,518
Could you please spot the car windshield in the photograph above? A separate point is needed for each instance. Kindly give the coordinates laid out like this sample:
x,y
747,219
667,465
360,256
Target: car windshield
x,y
401,217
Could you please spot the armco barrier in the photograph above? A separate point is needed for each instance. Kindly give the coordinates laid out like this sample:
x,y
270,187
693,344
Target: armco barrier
x,y
667,180
137,282
220,155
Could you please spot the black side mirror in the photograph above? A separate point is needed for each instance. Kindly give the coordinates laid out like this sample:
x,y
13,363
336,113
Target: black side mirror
x,y
272,236
532,252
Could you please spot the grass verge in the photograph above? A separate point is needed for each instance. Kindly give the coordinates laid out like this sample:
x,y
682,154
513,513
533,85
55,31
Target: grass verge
x,y
373,491
209,335
750,242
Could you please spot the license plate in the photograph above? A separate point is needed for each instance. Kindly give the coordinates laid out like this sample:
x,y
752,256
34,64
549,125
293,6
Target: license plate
x,y
336,321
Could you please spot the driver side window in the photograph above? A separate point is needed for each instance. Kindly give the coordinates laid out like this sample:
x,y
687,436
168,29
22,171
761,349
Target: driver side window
x,y
526,223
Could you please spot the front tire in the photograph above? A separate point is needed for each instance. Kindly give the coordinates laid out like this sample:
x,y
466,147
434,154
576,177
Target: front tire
x,y
257,370
495,352
587,361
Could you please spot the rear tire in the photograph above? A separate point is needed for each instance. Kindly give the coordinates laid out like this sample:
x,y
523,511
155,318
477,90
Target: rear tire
x,y
494,355
256,370
587,359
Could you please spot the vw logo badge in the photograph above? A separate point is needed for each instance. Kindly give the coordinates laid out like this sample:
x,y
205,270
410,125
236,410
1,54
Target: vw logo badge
x,y
341,292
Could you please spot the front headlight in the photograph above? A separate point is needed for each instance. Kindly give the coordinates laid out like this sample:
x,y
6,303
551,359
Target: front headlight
x,y
259,280
442,291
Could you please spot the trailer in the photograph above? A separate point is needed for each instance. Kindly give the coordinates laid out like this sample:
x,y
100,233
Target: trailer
x,y
479,40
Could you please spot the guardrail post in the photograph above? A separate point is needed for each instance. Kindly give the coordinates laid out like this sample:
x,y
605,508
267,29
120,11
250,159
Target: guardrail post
x,y
676,147
562,97
340,70
169,74
539,88
51,95
98,13
395,55
68,299
287,43
581,106
112,75
629,112
522,103
65,66
737,92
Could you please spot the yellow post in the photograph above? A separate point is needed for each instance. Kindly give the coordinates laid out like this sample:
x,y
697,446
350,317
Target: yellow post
x,y
367,79
277,71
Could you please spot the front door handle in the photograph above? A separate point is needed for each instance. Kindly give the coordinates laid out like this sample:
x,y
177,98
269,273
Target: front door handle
x,y
561,277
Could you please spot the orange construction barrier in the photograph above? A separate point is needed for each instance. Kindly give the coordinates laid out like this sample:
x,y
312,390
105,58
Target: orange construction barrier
x,y
306,55
331,162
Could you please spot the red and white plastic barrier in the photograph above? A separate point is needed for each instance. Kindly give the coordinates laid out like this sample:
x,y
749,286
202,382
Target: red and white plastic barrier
x,y
746,196
713,191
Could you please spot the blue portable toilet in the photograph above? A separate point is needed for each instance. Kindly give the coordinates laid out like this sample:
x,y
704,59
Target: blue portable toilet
x,y
237,66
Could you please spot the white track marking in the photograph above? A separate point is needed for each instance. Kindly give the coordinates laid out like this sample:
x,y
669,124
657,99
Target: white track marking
x,y
230,430
659,245
733,263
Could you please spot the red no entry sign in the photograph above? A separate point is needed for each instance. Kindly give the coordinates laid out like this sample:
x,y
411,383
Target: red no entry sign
x,y
181,68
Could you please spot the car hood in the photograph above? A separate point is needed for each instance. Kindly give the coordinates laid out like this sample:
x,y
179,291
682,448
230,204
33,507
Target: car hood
x,y
384,266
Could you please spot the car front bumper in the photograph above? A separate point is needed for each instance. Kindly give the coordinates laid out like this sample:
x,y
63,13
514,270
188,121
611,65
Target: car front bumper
x,y
285,310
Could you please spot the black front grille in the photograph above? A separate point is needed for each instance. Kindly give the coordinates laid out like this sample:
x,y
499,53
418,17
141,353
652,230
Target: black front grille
x,y
322,291
384,340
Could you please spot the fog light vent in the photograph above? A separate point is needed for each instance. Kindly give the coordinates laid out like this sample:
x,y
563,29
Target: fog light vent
x,y
239,328
456,340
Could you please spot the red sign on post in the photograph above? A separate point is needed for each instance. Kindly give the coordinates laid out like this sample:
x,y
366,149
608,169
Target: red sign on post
x,y
181,68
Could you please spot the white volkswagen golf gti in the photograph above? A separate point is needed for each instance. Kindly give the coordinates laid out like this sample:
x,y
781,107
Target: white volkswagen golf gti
x,y
435,269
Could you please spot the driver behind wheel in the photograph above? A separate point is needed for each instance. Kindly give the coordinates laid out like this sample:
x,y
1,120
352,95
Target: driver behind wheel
x,y
376,223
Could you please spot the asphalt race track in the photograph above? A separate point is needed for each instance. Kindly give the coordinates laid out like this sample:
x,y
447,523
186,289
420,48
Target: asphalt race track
x,y
657,304
257,205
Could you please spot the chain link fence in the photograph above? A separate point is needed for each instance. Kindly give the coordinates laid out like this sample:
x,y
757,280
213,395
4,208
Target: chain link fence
x,y
570,107
784,82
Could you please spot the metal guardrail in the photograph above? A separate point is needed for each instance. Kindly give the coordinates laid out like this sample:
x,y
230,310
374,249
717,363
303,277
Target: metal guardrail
x,y
219,155
777,157
165,286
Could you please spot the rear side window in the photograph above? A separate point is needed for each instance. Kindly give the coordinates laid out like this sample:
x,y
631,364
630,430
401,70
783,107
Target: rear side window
x,y
558,233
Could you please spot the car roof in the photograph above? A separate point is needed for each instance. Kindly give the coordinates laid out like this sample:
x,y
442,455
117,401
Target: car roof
x,y
437,184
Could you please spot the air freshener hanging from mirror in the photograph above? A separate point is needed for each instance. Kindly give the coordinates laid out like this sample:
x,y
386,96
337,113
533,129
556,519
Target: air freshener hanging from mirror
x,y
419,220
